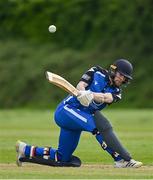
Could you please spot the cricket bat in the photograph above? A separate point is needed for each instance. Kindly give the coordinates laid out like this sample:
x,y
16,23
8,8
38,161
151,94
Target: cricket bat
x,y
62,83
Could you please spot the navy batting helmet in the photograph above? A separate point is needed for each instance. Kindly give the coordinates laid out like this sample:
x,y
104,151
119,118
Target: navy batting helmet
x,y
122,66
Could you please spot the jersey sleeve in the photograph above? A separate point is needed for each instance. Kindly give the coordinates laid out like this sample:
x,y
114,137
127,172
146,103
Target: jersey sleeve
x,y
87,77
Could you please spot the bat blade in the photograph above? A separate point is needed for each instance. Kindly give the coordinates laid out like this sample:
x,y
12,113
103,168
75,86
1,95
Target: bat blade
x,y
62,83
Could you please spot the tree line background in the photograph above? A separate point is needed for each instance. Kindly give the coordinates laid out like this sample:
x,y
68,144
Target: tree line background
x,y
89,32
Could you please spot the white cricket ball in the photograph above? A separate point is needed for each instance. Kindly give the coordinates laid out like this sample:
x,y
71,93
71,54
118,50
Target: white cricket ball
x,y
52,28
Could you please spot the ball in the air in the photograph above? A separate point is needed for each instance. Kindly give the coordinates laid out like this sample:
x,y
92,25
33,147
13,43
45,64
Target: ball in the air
x,y
52,28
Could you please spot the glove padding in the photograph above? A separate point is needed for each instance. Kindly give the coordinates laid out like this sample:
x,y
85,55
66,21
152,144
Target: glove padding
x,y
85,97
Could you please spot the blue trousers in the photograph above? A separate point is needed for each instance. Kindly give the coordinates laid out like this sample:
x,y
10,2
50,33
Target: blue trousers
x,y
72,122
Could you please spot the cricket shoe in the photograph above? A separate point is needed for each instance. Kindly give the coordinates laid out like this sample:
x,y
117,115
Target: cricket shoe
x,y
20,149
127,164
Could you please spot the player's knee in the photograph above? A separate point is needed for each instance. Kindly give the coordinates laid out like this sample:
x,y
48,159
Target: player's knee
x,y
60,159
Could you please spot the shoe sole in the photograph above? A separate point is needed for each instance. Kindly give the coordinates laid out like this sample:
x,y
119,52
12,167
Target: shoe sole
x,y
135,166
18,162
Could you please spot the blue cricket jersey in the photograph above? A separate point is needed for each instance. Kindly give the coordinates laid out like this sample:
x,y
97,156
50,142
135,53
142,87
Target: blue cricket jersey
x,y
98,81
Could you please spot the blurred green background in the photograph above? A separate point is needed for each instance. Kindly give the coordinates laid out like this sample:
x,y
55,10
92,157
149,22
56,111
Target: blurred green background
x,y
89,32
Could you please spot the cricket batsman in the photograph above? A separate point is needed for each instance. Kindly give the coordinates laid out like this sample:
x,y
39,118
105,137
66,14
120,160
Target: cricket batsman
x,y
98,88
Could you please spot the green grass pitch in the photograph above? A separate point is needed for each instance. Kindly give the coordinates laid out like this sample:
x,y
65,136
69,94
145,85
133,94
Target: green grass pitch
x,y
37,127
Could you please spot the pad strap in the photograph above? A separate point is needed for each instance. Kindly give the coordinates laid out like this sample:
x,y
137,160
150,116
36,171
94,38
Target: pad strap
x,y
32,151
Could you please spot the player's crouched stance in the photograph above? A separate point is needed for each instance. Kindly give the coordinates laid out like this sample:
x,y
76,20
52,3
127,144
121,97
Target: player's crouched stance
x,y
98,88
44,160
74,162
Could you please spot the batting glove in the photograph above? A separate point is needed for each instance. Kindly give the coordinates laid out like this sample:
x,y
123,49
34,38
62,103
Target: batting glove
x,y
85,97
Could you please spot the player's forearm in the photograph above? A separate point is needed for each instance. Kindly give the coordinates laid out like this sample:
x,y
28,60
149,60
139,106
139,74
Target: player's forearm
x,y
108,98
98,97
103,97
